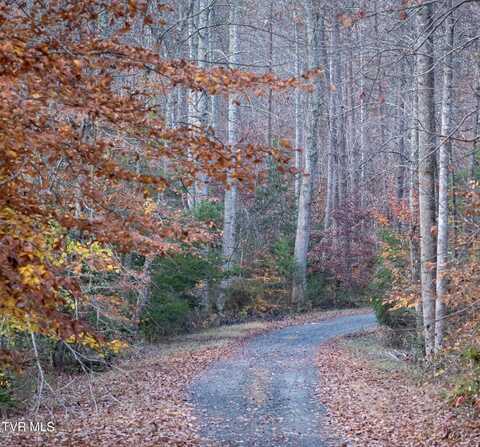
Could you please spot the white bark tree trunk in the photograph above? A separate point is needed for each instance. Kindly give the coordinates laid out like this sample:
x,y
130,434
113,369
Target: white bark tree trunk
x,y
354,158
400,190
215,54
229,218
315,27
413,188
333,133
202,119
413,206
426,118
363,127
298,114
442,241
476,123
192,96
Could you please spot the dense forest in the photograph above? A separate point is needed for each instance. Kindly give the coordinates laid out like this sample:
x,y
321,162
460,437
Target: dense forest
x,y
174,167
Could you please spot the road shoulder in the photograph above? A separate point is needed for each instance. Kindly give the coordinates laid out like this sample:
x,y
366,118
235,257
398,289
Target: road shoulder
x,y
375,399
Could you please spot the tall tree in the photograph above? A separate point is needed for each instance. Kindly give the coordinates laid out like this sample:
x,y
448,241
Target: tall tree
x,y
413,204
426,174
332,172
442,241
315,28
230,200
203,100
298,109
192,95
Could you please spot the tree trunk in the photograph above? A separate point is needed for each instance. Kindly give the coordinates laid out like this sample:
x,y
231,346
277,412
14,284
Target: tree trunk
x,y
442,241
413,207
354,151
270,67
363,128
215,52
413,190
333,132
401,141
298,114
192,96
342,165
230,201
476,123
426,118
202,119
315,26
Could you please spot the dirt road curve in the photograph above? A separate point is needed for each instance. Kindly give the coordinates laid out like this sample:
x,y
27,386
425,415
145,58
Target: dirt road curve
x,y
265,395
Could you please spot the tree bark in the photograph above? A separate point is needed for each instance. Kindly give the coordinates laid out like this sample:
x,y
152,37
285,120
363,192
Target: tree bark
x,y
426,118
270,68
333,132
298,114
315,26
413,207
215,55
202,119
442,240
229,222
476,121
192,96
413,190
363,127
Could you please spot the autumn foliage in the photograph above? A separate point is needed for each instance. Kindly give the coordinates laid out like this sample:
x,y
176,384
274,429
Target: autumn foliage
x,y
81,156
347,250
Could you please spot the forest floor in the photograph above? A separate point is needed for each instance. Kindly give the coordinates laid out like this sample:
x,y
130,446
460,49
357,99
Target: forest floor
x,y
374,399
143,400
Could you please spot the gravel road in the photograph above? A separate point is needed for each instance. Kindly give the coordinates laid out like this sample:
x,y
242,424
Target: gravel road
x,y
265,394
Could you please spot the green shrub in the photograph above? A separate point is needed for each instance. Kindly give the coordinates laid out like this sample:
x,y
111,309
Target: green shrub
x,y
402,321
173,293
318,291
472,354
382,280
208,211
179,274
165,317
283,258
466,390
